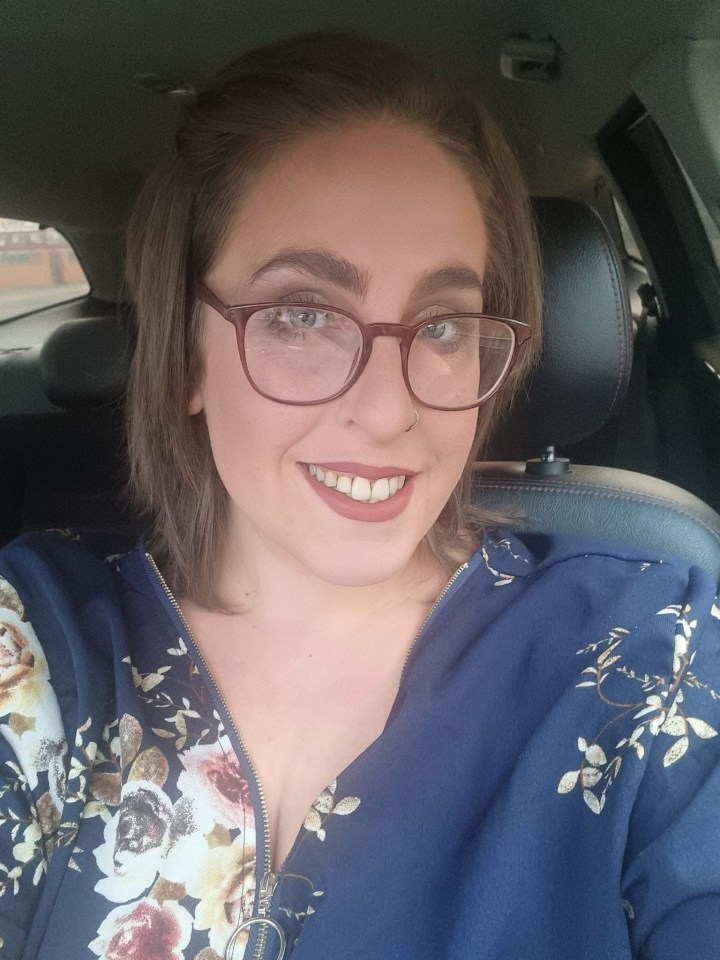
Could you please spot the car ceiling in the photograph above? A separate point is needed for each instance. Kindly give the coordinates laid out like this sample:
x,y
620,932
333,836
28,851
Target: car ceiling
x,y
80,123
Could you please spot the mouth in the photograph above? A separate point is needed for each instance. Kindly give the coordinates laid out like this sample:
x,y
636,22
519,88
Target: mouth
x,y
356,487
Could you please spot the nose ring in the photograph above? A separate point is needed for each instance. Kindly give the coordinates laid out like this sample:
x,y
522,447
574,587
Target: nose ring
x,y
413,425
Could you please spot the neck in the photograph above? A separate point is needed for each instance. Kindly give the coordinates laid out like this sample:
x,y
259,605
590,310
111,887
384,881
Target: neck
x,y
276,594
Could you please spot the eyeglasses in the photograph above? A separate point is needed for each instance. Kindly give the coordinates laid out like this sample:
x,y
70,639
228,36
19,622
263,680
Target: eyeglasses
x,y
310,353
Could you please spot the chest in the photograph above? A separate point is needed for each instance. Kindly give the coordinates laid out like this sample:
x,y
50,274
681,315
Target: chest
x,y
456,830
303,716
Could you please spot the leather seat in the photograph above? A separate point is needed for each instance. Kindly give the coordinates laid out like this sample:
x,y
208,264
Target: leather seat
x,y
580,381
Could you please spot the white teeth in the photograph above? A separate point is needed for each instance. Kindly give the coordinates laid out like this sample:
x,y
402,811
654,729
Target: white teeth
x,y
344,484
358,488
381,489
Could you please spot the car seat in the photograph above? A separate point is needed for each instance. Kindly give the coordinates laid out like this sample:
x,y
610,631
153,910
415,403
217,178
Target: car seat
x,y
61,429
579,383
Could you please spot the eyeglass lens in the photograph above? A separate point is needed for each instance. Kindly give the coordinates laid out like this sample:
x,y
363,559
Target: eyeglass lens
x,y
302,353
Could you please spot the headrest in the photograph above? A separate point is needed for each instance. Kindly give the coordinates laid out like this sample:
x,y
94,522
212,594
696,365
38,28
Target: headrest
x,y
586,357
85,363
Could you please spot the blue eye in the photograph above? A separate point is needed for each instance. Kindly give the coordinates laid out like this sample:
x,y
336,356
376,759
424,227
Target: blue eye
x,y
443,330
301,317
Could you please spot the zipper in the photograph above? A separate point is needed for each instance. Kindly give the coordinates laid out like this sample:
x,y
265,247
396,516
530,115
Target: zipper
x,y
269,880
267,889
461,569
261,919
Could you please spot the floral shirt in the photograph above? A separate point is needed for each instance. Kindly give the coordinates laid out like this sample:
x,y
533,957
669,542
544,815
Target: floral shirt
x,y
547,784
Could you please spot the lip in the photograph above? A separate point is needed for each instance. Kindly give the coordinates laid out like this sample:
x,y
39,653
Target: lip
x,y
351,509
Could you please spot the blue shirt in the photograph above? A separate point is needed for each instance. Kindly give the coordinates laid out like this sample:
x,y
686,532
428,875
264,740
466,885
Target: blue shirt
x,y
547,784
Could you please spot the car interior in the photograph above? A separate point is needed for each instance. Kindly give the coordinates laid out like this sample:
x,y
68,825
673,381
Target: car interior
x,y
614,111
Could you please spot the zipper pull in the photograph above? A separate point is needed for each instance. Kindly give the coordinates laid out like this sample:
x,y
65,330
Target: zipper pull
x,y
267,889
263,920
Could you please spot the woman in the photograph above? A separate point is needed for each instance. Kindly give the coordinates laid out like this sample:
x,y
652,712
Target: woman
x,y
440,768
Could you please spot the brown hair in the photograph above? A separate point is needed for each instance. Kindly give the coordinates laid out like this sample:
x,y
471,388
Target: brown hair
x,y
268,98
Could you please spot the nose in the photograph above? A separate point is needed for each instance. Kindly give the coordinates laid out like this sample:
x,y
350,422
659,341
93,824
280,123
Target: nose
x,y
379,402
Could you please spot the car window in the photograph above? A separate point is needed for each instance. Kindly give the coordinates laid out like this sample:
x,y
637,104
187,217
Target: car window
x,y
38,269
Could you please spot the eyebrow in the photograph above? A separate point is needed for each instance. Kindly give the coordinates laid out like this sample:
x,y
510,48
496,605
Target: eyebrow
x,y
320,264
451,275
326,266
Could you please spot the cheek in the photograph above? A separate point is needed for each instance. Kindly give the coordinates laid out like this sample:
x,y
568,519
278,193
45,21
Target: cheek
x,y
456,438
245,450
244,430
223,392
249,435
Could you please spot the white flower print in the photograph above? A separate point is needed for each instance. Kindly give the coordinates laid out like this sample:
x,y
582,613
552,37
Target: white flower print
x,y
24,674
660,712
137,840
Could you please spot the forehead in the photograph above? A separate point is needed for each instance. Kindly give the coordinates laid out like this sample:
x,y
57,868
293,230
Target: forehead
x,y
383,196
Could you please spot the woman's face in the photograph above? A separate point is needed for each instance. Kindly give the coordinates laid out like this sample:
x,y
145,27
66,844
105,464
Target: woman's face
x,y
376,220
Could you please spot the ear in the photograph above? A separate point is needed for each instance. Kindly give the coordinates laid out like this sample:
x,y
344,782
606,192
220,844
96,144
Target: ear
x,y
195,403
